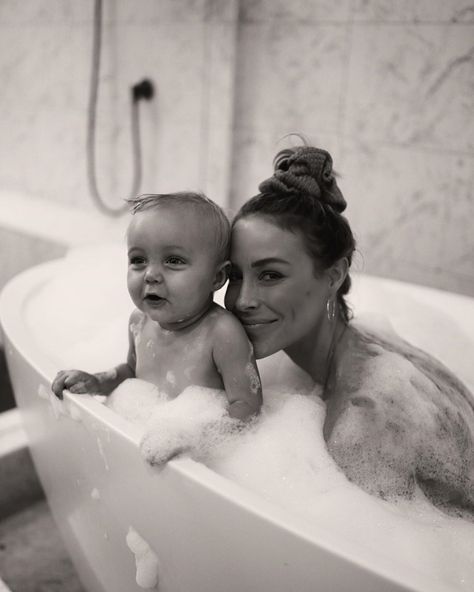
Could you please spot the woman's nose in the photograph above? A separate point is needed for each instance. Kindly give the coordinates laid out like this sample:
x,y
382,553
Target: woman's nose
x,y
246,298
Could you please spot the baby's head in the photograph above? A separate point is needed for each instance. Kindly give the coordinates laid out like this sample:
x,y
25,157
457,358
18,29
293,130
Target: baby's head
x,y
211,219
178,246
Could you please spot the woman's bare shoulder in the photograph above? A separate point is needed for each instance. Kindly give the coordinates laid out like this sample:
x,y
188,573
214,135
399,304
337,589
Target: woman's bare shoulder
x,y
389,363
390,407
383,387
379,383
363,359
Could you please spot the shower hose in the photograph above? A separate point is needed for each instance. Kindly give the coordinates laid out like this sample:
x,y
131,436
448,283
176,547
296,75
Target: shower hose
x,y
142,90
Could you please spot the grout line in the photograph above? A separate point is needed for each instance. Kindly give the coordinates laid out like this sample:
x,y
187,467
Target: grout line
x,y
207,68
345,85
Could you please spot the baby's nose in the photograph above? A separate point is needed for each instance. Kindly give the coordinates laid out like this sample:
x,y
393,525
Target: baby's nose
x,y
153,274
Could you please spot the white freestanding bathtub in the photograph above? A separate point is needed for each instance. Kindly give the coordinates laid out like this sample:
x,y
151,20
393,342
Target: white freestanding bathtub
x,y
207,533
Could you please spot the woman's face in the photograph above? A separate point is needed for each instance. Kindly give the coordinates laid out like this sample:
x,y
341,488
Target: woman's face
x,y
273,288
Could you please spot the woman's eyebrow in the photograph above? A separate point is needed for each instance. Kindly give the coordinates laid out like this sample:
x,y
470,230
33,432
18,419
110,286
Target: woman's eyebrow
x,y
269,261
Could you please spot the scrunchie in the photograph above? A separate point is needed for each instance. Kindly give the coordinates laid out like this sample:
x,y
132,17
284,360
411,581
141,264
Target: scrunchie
x,y
305,170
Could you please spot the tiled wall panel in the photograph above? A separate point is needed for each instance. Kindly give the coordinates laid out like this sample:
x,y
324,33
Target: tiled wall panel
x,y
388,88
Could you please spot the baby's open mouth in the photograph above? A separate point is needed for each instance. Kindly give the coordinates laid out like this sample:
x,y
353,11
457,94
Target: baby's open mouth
x,y
154,298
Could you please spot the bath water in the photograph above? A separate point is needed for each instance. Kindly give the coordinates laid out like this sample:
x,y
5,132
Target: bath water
x,y
281,456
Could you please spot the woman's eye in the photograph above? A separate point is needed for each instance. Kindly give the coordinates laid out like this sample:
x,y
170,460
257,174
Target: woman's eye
x,y
270,276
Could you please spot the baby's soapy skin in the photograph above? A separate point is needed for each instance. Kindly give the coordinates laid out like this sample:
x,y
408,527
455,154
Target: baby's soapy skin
x,y
178,336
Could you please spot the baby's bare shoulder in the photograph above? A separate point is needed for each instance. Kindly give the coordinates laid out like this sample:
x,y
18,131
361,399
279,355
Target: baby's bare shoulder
x,y
224,321
227,329
136,316
136,321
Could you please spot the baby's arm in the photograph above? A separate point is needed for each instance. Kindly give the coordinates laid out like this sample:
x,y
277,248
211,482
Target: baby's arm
x,y
234,359
101,383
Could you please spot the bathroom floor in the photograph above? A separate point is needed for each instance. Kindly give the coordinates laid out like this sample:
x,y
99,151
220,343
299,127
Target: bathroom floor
x,y
32,554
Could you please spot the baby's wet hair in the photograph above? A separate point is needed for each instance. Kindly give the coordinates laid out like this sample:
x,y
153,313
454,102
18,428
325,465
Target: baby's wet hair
x,y
212,215
302,196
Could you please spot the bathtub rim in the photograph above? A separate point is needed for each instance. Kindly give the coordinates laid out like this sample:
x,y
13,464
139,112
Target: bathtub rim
x,y
14,298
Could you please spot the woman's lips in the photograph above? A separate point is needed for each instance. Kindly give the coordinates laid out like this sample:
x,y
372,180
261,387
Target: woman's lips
x,y
256,324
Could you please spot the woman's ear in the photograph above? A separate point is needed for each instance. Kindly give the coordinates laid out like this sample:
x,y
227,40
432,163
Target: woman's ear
x,y
337,274
222,273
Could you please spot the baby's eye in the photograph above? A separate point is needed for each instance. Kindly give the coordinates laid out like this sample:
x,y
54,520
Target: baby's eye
x,y
174,261
270,276
136,260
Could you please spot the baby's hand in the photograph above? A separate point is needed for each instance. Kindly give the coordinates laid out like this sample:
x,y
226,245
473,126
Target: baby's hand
x,y
75,381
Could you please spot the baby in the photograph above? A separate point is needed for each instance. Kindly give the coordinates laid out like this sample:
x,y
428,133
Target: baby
x,y
178,336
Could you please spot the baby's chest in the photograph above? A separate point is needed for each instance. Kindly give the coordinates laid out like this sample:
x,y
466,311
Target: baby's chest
x,y
174,364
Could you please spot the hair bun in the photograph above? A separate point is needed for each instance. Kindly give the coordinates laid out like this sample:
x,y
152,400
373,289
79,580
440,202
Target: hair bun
x,y
305,170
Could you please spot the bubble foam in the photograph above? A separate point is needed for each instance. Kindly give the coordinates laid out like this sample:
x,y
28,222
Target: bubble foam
x,y
146,560
282,456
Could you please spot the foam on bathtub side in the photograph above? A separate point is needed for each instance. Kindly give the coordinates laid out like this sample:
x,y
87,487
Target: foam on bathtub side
x,y
146,560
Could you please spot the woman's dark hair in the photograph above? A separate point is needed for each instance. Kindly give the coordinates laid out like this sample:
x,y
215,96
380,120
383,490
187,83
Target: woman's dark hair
x,y
302,195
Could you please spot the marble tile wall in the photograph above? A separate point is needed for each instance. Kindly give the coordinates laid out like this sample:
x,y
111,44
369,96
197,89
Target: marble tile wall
x,y
388,87
185,46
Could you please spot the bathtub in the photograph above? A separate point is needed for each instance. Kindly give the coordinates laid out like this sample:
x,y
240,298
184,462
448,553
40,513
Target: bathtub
x,y
37,230
207,534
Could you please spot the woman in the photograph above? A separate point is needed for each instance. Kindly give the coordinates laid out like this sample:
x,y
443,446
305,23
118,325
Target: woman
x,y
396,417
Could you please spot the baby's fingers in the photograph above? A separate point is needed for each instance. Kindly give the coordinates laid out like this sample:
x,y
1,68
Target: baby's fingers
x,y
59,383
78,388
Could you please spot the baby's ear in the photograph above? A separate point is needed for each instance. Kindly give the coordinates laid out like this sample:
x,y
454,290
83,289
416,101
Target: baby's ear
x,y
222,273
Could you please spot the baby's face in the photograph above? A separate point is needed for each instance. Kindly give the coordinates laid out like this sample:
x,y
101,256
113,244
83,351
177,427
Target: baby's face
x,y
171,265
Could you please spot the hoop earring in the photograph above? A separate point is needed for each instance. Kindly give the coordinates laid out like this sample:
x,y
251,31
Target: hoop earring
x,y
331,309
